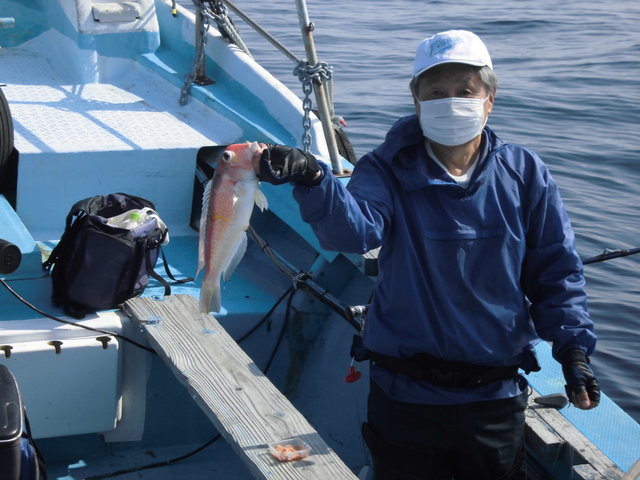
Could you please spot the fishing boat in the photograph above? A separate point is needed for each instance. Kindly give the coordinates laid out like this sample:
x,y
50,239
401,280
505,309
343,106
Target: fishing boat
x,y
141,96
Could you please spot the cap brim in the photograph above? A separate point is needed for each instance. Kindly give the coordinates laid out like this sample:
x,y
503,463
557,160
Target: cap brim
x,y
475,64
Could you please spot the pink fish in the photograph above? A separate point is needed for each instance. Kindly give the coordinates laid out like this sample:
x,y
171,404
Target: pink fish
x,y
227,204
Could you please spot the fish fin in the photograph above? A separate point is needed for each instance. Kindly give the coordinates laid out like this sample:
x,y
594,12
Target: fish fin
x,y
236,257
239,190
260,199
204,214
210,300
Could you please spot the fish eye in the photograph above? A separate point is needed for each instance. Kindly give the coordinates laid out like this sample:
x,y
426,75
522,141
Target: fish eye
x,y
227,156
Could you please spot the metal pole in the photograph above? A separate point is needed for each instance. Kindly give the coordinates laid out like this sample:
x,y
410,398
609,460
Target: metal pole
x,y
321,99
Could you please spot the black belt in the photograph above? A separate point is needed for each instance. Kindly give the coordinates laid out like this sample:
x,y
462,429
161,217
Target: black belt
x,y
446,373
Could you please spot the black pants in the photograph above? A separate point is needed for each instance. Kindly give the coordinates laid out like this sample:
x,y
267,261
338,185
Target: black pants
x,y
479,441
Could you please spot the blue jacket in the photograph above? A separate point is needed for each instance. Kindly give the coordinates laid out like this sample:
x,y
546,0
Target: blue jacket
x,y
477,274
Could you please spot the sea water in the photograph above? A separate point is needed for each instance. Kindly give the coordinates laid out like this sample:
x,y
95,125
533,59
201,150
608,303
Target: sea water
x,y
569,89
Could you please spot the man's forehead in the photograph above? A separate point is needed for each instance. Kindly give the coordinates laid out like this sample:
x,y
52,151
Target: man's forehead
x,y
457,72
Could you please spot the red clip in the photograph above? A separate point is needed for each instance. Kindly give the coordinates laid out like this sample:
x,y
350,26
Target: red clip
x,y
353,375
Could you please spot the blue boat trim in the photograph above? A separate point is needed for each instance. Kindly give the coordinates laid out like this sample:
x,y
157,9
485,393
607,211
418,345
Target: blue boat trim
x,y
612,430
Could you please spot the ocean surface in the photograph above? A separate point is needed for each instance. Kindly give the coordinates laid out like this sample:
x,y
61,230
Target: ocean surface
x,y
569,89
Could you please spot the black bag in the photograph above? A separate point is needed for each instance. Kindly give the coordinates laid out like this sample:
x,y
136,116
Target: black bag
x,y
97,265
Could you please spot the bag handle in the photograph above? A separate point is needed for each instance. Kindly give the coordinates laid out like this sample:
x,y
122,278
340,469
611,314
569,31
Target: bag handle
x,y
150,270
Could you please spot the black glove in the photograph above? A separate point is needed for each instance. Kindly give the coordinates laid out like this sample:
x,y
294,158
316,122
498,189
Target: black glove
x,y
579,376
280,164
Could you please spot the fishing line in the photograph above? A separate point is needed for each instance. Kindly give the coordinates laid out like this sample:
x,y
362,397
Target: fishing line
x,y
285,324
68,322
302,280
122,337
299,280
265,317
291,292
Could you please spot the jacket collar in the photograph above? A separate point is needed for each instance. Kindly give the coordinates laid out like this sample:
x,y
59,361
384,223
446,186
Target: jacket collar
x,y
404,151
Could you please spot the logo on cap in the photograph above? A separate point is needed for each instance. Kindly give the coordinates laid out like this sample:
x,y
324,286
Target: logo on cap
x,y
442,46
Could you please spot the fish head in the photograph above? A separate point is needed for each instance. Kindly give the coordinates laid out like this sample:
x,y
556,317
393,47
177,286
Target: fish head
x,y
240,159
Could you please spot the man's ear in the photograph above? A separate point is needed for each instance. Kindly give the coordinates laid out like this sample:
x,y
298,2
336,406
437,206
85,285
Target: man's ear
x,y
413,88
489,102
414,97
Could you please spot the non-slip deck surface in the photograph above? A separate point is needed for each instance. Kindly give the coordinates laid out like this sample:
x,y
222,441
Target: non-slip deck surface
x,y
57,105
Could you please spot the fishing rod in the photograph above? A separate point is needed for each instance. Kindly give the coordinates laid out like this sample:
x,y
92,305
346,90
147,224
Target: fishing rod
x,y
610,254
302,280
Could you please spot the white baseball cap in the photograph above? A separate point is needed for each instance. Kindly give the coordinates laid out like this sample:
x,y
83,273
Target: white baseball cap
x,y
452,46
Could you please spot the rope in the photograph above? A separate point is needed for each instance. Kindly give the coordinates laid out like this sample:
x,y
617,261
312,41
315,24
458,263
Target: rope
x,y
307,73
218,12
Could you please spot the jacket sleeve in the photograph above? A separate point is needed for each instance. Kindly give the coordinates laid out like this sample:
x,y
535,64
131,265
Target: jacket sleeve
x,y
553,278
349,219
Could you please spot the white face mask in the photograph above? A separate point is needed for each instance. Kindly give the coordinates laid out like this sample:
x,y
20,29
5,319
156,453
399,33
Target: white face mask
x,y
453,120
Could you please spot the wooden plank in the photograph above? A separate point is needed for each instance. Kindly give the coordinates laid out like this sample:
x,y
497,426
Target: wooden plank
x,y
586,472
543,441
241,402
581,449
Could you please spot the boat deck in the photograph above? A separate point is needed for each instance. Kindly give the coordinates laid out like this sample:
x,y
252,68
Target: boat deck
x,y
128,118
131,110
141,139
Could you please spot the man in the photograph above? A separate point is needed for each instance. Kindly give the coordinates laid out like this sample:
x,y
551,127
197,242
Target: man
x,y
478,263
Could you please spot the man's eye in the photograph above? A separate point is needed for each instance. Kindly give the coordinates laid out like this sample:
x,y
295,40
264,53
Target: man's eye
x,y
434,94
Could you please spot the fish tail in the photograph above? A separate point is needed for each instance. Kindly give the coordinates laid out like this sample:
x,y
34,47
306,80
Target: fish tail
x,y
210,300
200,267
